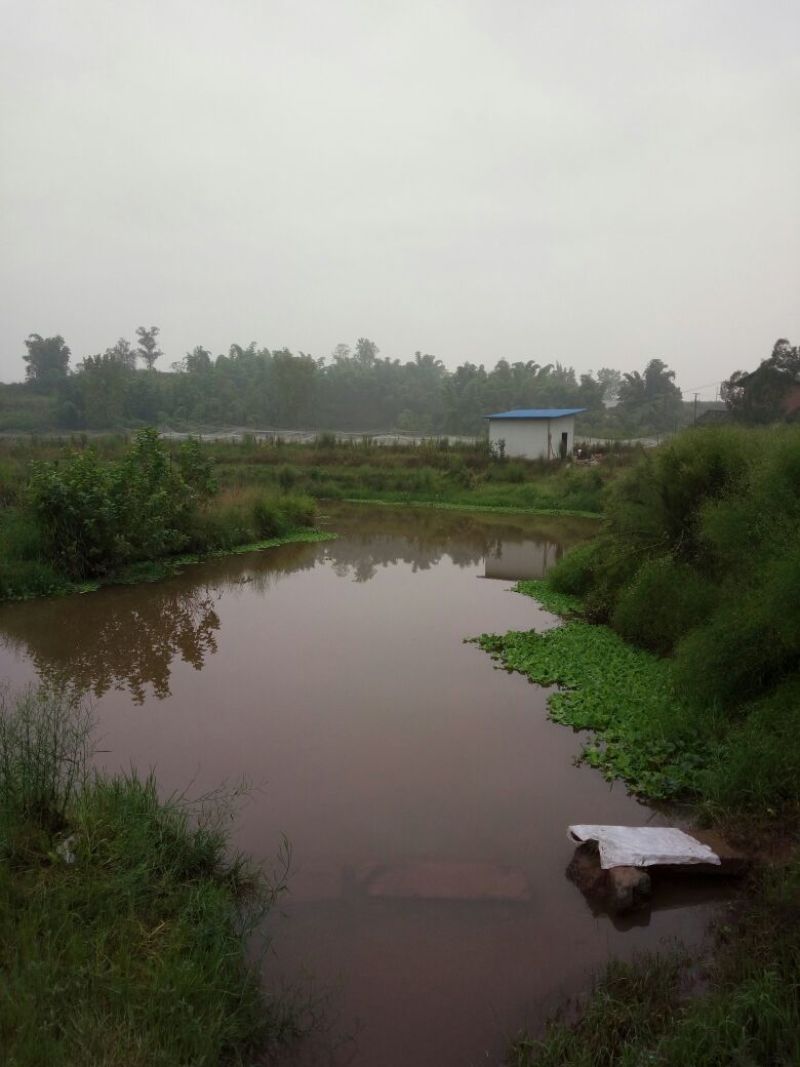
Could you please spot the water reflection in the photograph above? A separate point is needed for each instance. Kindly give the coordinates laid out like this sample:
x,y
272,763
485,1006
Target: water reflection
x,y
512,560
513,547
128,645
131,638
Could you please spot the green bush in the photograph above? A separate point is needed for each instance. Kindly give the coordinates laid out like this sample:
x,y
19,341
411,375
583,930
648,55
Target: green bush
x,y
287,477
24,578
75,508
699,552
574,572
85,517
664,601
757,768
735,656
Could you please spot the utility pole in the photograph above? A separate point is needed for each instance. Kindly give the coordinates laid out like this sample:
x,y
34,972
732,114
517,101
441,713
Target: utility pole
x,y
695,409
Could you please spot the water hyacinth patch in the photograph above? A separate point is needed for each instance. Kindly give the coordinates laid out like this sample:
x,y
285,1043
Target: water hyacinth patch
x,y
620,693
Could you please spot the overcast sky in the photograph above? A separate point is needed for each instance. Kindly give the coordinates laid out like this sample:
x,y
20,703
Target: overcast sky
x,y
594,182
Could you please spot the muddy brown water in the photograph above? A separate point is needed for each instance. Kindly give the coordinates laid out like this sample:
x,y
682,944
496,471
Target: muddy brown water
x,y
425,794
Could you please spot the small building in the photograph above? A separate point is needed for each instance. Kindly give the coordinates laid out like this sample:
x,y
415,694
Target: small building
x,y
534,433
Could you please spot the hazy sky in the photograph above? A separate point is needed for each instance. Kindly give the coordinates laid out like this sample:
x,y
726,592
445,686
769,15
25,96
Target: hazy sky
x,y
593,182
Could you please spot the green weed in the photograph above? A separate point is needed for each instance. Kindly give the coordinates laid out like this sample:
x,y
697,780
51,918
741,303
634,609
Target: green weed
x,y
124,923
647,1013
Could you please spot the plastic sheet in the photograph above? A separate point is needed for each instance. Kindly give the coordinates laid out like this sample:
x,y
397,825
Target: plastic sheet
x,y
643,846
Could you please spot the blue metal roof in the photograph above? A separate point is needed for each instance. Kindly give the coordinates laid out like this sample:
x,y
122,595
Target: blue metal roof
x,y
536,413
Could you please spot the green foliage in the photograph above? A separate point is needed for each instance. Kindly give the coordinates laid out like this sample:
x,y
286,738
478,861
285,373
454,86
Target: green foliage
x,y
126,929
197,469
699,554
354,390
573,573
719,721
747,1011
664,601
757,763
768,394
551,596
94,517
153,503
75,508
245,517
47,360
623,695
651,400
44,748
629,1005
99,511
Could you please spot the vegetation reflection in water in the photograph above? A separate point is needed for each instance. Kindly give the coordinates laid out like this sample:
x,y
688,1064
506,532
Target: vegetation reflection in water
x,y
129,638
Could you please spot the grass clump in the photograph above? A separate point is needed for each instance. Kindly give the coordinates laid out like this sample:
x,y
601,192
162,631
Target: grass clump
x,y
44,747
124,919
644,1013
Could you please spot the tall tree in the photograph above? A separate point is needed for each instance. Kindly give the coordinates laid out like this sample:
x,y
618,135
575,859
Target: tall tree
x,y
761,396
47,359
366,351
650,401
122,352
148,349
610,380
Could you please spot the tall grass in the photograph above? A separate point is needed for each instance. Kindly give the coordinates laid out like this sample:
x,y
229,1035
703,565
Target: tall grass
x,y
243,516
747,1012
124,918
44,752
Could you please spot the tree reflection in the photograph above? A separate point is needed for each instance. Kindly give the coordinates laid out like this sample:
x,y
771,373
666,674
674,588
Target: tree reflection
x,y
374,538
129,642
129,638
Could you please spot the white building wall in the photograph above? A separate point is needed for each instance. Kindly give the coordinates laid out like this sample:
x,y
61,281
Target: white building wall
x,y
528,438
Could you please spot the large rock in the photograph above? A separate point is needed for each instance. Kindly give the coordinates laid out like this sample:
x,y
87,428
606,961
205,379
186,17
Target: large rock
x,y
616,889
628,888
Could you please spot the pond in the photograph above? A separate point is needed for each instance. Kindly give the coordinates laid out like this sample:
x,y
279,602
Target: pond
x,y
425,794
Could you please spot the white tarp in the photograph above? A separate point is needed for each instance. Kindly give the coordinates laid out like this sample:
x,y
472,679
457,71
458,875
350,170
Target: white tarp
x,y
643,846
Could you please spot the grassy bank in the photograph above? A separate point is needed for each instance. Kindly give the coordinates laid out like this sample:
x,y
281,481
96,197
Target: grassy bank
x,y
747,1012
87,518
740,772
683,645
679,655
436,472
124,919
440,473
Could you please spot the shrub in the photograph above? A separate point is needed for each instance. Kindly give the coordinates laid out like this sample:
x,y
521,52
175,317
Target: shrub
x,y
20,579
735,656
287,477
299,511
574,572
269,520
758,765
664,601
74,505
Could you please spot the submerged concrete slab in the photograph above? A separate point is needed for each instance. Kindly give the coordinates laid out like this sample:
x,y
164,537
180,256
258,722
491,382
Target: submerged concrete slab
x,y
436,880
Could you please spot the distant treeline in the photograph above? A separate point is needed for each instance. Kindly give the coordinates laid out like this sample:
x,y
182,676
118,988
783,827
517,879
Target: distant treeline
x,y
354,389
